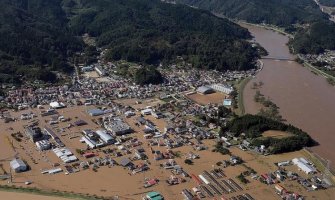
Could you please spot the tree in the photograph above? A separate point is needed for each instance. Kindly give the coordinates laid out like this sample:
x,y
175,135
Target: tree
x,y
188,161
148,75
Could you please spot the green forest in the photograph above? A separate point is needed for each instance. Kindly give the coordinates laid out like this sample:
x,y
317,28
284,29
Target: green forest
x,y
317,36
34,40
281,13
39,37
152,32
254,125
330,3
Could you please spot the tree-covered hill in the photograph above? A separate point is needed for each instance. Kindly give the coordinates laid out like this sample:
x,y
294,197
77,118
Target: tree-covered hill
x,y
317,35
153,32
278,12
39,36
33,40
330,3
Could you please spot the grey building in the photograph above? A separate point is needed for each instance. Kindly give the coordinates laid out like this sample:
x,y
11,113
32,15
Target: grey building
x,y
118,127
95,112
205,90
34,133
18,165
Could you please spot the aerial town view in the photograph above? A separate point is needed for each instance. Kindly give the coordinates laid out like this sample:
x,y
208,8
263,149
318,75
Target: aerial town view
x,y
167,100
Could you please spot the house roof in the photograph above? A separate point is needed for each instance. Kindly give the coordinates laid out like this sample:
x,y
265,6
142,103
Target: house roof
x,y
155,196
95,112
80,122
125,162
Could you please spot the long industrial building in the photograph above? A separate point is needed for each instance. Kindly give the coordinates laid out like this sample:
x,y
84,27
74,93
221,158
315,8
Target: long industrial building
x,y
304,165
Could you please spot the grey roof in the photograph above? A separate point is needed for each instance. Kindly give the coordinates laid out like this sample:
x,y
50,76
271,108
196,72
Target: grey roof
x,y
104,135
17,163
204,89
95,112
125,162
118,126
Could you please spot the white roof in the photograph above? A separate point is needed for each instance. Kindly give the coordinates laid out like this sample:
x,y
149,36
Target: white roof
x,y
104,135
56,104
303,165
88,142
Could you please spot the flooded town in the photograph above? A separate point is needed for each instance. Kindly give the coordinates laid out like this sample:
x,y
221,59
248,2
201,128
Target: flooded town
x,y
158,140
163,101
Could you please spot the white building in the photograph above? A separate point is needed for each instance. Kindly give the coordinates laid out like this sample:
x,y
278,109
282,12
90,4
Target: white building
x,y
100,71
222,88
43,145
146,111
57,105
108,139
89,142
304,165
65,155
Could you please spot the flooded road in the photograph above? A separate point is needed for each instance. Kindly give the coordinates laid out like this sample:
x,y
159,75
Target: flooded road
x,y
305,100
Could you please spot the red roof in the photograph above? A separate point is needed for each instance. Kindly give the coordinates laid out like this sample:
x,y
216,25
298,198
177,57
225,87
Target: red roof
x,y
89,155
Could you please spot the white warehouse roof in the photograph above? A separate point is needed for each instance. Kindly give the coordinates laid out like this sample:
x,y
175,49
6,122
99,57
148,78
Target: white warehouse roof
x,y
104,136
303,165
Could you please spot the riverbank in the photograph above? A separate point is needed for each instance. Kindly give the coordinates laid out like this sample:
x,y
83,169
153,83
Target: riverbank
x,y
305,100
282,31
240,88
268,27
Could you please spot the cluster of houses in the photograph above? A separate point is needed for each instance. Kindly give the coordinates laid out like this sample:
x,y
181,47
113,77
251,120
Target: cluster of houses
x,y
99,93
326,59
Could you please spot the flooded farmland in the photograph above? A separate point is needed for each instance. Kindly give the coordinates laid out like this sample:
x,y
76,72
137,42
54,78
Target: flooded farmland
x,y
305,100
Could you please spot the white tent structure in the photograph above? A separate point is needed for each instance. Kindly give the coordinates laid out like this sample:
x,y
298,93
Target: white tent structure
x,y
57,105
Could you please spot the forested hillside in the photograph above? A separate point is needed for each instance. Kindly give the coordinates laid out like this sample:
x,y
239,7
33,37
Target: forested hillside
x,y
33,40
152,32
317,35
39,36
278,12
330,3
317,38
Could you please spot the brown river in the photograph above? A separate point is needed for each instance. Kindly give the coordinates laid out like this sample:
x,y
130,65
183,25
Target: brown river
x,y
305,100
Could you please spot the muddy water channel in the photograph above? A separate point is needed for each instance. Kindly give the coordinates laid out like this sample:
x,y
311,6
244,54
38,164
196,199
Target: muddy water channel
x,y
305,100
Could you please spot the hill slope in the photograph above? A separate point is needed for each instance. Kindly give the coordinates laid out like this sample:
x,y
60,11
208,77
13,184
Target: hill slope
x,y
277,12
39,36
33,37
152,32
314,38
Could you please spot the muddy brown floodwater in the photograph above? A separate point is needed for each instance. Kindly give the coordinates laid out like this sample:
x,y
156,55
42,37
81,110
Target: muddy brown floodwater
x,y
305,100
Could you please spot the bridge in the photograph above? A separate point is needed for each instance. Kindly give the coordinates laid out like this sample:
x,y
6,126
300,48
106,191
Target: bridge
x,y
277,58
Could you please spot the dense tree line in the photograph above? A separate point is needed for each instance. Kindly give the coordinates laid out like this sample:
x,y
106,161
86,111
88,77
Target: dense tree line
x,y
314,38
148,75
281,13
34,40
253,126
330,3
151,32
